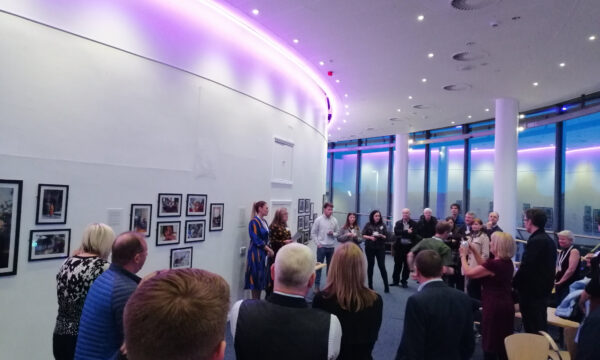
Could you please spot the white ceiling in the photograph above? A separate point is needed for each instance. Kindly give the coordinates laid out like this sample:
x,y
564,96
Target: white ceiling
x,y
379,52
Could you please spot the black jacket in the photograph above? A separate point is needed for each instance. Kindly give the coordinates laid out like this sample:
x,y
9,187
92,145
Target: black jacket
x,y
536,272
400,233
426,229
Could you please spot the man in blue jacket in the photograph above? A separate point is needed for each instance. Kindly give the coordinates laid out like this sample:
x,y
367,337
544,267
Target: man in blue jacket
x,y
101,325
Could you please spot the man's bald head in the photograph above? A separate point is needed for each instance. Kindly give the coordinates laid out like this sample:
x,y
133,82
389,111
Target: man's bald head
x,y
129,251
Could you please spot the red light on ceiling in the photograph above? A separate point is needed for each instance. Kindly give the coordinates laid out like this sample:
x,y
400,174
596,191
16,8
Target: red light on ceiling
x,y
330,73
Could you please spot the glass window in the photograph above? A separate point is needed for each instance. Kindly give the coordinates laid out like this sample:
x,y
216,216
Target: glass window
x,y
582,171
416,180
374,182
481,176
344,184
535,171
446,169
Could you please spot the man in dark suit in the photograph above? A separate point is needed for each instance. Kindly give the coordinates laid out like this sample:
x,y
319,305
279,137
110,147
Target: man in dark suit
x,y
283,326
535,278
405,234
438,322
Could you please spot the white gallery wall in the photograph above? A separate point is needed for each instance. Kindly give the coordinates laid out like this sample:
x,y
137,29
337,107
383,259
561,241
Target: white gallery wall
x,y
120,125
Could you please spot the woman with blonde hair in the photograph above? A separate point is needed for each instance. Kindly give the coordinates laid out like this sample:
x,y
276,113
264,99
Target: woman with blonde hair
x,y
258,229
74,279
567,265
358,308
496,298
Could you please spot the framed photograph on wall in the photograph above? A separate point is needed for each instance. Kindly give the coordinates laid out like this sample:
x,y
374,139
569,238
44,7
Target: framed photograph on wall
x,y
181,258
300,222
52,201
140,218
169,205
217,212
196,205
49,244
306,221
167,232
307,206
312,208
10,218
194,230
300,206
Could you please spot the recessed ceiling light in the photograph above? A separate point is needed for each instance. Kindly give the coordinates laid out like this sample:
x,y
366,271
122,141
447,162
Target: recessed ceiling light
x,y
346,106
409,97
424,80
337,81
345,95
522,116
410,141
255,11
469,116
562,65
520,128
453,122
487,110
420,18
535,83
329,135
347,113
592,38
322,63
339,128
344,121
398,110
296,41
430,55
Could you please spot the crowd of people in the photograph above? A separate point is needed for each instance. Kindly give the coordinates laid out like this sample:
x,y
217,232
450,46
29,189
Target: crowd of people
x,y
462,267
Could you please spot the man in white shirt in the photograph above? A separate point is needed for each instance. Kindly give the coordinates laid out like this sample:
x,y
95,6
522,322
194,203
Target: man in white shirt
x,y
325,231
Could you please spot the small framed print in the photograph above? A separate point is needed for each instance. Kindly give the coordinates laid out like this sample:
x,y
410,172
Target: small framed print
x,y
306,221
10,219
306,205
49,244
169,205
300,206
194,230
196,205
140,218
217,212
52,201
167,232
300,222
181,258
312,208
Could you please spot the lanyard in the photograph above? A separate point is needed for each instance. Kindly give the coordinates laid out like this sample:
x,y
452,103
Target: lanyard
x,y
563,255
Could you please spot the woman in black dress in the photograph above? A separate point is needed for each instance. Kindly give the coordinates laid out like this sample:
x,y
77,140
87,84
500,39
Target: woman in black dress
x,y
567,266
375,234
358,308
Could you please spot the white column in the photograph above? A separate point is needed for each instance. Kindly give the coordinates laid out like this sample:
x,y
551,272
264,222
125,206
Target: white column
x,y
400,176
505,163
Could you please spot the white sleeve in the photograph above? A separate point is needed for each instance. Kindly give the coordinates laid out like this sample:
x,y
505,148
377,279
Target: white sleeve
x,y
335,338
233,316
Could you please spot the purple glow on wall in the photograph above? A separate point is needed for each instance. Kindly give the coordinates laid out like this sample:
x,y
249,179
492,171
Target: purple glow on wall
x,y
459,150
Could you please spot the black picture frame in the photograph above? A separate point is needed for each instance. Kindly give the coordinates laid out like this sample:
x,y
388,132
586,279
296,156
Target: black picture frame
x,y
306,205
196,204
49,244
300,222
52,204
181,258
195,231
169,205
11,192
306,221
300,206
217,217
166,236
312,208
140,219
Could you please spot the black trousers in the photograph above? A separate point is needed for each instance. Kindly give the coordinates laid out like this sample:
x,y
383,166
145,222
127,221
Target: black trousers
x,y
534,313
63,346
400,263
380,255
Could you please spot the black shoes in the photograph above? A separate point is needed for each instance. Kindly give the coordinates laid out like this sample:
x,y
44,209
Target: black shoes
x,y
404,285
386,290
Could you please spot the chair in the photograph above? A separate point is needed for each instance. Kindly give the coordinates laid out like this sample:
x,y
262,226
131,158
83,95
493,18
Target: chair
x,y
525,346
555,353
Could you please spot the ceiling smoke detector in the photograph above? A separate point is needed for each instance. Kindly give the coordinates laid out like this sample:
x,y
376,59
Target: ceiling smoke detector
x,y
457,87
472,4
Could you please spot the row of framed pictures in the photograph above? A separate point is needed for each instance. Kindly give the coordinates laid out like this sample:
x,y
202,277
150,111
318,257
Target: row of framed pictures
x,y
305,206
305,221
169,205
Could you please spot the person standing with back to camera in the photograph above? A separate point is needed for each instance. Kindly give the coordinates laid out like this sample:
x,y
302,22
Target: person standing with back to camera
x,y
258,229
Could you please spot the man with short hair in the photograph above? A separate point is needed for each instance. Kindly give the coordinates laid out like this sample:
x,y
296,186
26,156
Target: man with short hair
x,y
325,231
177,315
405,234
436,243
300,332
535,278
492,224
465,229
438,320
455,213
426,224
101,325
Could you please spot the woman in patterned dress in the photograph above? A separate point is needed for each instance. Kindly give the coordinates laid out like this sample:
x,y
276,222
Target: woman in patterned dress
x,y
74,279
258,229
279,235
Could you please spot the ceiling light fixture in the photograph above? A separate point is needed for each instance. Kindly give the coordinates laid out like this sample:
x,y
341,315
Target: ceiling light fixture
x,y
410,141
562,65
430,55
535,83
346,106
296,41
255,11
347,113
424,80
487,110
339,128
345,95
469,116
520,128
344,121
409,97
337,81
522,116
453,122
592,38
322,63
420,18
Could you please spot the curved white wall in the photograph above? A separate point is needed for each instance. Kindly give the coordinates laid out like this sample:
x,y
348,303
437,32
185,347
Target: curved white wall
x,y
95,111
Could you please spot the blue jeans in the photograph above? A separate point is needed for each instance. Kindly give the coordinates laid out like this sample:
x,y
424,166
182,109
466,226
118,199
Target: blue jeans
x,y
322,254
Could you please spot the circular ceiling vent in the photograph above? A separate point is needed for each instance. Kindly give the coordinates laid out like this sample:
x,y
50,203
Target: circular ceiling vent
x,y
468,67
457,87
421,107
472,4
469,56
